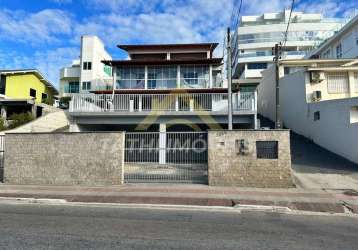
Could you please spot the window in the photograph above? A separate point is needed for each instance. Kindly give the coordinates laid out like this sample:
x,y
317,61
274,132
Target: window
x,y
162,77
317,116
44,97
194,76
326,54
108,70
354,114
72,87
357,41
337,83
2,84
86,85
87,65
339,51
130,77
256,65
267,149
33,93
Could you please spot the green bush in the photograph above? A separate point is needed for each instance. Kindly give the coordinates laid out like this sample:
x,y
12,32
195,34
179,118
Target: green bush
x,y
20,119
48,101
2,124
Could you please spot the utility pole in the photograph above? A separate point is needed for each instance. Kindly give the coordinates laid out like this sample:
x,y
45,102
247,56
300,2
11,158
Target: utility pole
x,y
277,56
229,79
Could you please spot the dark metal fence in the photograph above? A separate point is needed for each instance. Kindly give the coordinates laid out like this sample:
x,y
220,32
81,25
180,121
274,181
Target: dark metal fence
x,y
166,157
2,151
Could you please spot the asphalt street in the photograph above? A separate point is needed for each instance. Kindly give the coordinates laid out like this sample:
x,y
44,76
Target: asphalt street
x,y
41,226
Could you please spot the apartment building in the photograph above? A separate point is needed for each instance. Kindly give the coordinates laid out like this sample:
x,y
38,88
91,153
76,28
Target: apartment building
x,y
344,44
319,100
88,73
257,35
164,86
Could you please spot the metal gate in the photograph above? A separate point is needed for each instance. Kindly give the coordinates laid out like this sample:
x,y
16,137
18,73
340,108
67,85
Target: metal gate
x,y
2,152
166,157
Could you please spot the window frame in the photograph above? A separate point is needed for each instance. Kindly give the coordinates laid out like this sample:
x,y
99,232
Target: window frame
x,y
262,151
86,85
339,52
44,98
87,65
34,91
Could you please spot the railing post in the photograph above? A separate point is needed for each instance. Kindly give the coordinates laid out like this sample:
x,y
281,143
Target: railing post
x,y
162,143
252,103
131,105
177,102
140,103
191,105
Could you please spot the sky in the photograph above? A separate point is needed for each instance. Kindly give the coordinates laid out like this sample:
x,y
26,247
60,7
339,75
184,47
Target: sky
x,y
45,34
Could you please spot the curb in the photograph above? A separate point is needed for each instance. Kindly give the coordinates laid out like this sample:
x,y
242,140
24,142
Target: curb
x,y
333,208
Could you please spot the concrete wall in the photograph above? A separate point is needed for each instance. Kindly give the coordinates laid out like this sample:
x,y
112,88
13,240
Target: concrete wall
x,y
64,158
266,93
228,167
334,130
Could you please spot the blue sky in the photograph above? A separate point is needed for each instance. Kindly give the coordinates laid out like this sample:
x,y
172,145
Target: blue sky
x,y
45,34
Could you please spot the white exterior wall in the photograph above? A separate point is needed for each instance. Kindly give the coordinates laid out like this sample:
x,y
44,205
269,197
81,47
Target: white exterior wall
x,y
92,50
266,93
347,37
334,131
349,46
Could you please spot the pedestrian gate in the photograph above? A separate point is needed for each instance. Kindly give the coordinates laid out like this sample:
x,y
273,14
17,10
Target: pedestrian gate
x,y
166,157
2,151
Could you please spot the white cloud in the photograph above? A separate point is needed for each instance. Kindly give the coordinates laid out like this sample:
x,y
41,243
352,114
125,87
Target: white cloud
x,y
48,62
36,28
329,8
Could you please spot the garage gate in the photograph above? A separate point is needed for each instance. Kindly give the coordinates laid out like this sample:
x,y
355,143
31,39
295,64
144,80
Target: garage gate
x,y
166,157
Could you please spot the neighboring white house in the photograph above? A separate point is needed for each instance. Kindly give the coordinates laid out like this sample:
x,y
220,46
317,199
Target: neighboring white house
x,y
88,73
257,35
344,44
319,100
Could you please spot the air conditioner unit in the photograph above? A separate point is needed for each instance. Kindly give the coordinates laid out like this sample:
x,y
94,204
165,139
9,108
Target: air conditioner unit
x,y
316,96
317,76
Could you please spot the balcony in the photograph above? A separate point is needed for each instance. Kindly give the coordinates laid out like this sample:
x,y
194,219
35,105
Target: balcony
x,y
176,103
70,72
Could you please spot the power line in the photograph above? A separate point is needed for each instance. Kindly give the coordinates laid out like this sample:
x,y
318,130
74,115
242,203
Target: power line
x,y
235,14
288,24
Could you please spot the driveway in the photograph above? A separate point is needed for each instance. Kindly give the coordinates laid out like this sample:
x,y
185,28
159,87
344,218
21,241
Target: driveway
x,y
315,167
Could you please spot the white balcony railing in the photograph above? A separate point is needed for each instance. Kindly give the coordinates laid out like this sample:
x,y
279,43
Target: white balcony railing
x,y
179,102
70,72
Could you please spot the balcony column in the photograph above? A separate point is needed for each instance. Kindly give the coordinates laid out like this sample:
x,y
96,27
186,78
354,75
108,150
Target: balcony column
x,y
352,91
210,76
162,143
145,77
178,76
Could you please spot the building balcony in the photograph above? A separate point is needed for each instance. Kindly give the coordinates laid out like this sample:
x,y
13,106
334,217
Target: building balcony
x,y
70,72
163,104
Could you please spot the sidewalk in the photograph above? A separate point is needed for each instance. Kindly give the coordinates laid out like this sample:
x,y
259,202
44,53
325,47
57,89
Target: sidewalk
x,y
332,201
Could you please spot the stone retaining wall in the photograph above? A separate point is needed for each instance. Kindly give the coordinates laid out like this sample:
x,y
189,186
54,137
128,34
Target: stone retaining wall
x,y
233,159
64,158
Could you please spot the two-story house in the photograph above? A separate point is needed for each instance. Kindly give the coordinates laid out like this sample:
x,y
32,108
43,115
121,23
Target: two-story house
x,y
165,87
